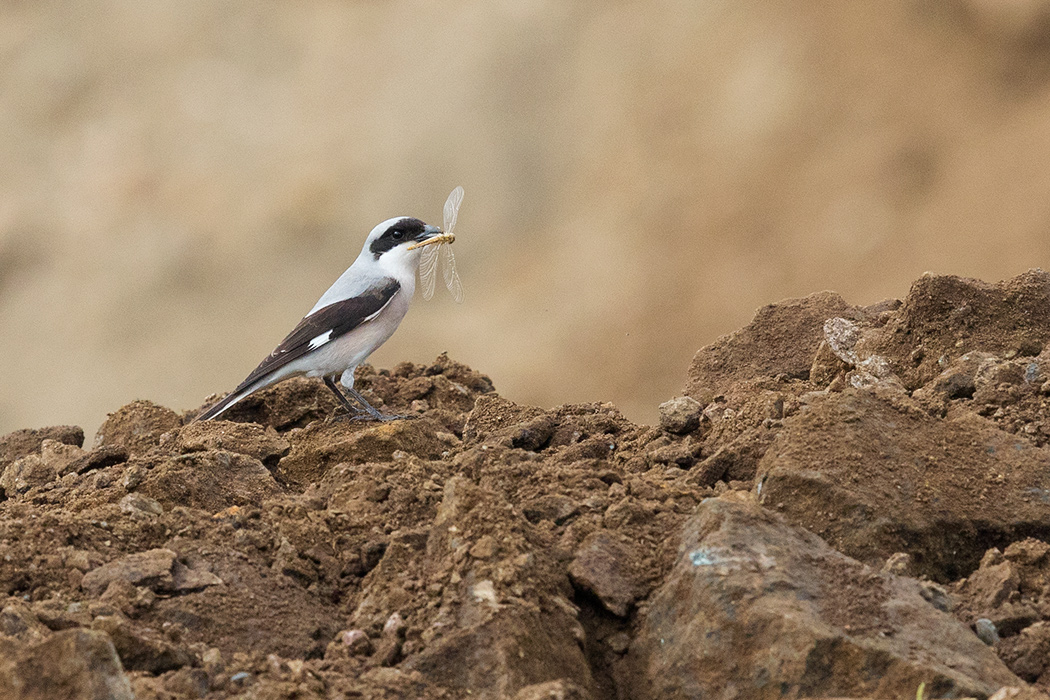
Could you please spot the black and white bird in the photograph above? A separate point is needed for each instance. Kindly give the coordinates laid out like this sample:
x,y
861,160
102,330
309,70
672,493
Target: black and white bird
x,y
354,317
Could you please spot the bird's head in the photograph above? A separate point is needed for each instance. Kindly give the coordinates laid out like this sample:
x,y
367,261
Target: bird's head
x,y
390,244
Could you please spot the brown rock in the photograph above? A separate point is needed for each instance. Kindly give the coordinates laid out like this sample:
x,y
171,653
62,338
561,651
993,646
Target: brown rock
x,y
76,664
560,689
874,475
511,650
605,567
99,458
140,648
39,468
251,439
991,585
781,340
317,448
151,569
753,598
28,441
680,415
137,427
492,414
947,317
211,481
17,621
556,508
293,403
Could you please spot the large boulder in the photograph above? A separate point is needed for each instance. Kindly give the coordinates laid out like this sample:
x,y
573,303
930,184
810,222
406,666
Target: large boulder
x,y
756,608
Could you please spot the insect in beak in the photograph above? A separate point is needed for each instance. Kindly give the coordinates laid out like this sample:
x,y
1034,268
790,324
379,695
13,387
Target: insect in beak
x,y
440,238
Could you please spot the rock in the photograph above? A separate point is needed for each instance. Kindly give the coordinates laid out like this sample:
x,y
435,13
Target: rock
x,y
782,339
137,427
553,507
25,442
151,569
492,414
560,689
605,567
39,468
212,481
184,579
1017,692
874,475
736,461
535,434
138,504
680,415
77,664
357,642
946,317
512,649
140,648
18,622
251,439
99,458
992,584
987,633
317,448
293,403
760,606
1028,653
156,569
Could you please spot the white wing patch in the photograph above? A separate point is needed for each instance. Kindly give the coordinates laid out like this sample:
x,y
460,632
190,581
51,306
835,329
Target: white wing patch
x,y
320,340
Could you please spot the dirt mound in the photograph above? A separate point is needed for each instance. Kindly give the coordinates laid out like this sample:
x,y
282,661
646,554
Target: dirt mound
x,y
849,501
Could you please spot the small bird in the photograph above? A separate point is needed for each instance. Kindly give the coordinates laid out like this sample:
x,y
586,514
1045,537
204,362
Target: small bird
x,y
354,317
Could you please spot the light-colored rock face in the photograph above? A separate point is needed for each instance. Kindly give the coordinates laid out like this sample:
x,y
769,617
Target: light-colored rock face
x,y
756,608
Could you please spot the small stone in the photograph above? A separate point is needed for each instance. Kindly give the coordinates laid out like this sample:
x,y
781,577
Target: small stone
x,y
898,564
561,689
558,509
986,631
138,504
187,683
603,567
618,642
99,458
25,442
484,548
357,642
151,568
680,415
140,648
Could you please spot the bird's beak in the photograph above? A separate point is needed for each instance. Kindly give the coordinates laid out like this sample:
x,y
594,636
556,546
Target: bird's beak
x,y
431,235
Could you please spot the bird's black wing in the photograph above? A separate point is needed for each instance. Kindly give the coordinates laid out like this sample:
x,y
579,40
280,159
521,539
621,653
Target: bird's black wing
x,y
314,331
334,320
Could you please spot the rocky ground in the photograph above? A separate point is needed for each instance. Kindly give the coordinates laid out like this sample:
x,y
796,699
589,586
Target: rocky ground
x,y
846,501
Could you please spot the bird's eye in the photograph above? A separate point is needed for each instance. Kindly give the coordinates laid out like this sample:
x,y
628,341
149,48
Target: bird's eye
x,y
397,235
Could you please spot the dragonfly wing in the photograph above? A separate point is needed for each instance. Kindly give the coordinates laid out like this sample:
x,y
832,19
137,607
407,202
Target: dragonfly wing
x,y
448,269
428,264
452,208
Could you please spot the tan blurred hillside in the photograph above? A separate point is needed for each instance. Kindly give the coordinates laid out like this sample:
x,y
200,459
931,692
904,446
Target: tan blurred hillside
x,y
180,181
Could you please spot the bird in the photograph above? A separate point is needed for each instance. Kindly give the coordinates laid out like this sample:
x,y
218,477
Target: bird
x,y
357,314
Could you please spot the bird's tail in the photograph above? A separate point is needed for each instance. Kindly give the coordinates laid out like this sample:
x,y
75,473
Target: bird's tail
x,y
219,406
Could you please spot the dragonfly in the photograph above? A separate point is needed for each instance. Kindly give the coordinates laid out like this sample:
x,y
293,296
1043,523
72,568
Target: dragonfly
x,y
440,246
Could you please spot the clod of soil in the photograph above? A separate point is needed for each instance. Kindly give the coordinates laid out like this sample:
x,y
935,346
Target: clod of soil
x,y
846,501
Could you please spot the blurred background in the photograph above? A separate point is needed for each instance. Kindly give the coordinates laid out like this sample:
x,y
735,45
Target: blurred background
x,y
179,181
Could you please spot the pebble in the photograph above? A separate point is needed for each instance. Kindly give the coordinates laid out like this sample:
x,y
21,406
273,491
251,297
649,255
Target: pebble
x,y
680,415
357,642
986,631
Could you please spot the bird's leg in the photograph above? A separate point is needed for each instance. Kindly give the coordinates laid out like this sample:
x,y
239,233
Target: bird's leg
x,y
352,410
374,414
